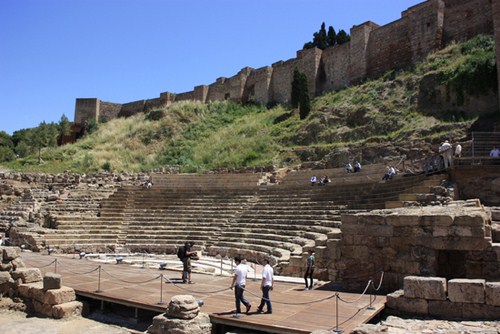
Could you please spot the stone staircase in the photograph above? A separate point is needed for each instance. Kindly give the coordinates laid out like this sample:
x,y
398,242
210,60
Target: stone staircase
x,y
428,192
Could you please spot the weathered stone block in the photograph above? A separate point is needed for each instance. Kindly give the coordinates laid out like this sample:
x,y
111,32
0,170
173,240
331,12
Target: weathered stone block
x,y
42,308
436,220
5,277
183,307
6,266
477,219
27,290
51,281
379,230
480,311
18,263
27,275
67,310
492,293
432,288
11,253
163,324
402,220
466,290
397,301
445,309
59,296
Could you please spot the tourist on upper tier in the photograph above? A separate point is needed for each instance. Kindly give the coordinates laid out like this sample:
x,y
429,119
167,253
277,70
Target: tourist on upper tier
x,y
266,285
458,151
445,151
390,171
357,167
348,168
309,271
495,152
323,181
313,180
239,282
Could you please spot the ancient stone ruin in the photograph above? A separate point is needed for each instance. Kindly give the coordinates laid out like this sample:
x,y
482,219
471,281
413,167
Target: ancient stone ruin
x,y
43,296
182,316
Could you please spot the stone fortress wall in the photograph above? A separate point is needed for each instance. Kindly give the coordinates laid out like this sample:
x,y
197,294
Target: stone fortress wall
x,y
373,50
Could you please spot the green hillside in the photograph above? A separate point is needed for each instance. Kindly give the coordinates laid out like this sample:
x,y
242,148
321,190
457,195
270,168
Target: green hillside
x,y
378,120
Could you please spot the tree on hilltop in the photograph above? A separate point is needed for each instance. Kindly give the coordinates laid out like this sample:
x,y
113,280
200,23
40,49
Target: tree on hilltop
x,y
323,39
343,37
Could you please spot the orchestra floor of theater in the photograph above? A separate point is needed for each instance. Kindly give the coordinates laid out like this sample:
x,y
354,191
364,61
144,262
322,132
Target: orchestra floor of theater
x,y
294,310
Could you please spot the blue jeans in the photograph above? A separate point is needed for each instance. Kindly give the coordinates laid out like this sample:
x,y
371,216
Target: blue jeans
x,y
266,299
238,296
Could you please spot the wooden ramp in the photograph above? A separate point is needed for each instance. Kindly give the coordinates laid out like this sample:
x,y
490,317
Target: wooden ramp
x,y
294,310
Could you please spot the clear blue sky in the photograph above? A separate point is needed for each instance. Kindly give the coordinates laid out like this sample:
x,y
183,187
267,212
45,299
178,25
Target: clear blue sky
x,y
53,51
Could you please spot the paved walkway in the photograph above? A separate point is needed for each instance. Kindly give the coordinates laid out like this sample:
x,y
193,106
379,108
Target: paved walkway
x,y
294,310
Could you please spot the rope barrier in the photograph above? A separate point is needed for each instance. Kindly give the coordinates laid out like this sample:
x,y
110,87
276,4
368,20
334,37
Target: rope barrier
x,y
287,303
193,291
47,264
380,283
359,298
131,282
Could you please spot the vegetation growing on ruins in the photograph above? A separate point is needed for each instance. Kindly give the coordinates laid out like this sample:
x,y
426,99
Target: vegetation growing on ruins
x,y
323,39
376,120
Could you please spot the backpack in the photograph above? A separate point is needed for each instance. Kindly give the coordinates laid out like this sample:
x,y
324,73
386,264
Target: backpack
x,y
181,253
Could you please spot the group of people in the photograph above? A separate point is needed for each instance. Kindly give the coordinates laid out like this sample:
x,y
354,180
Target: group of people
x,y
238,283
350,169
266,284
322,181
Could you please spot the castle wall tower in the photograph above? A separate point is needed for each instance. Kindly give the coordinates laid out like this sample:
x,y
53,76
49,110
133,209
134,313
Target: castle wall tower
x,y
464,19
358,45
425,26
86,109
257,85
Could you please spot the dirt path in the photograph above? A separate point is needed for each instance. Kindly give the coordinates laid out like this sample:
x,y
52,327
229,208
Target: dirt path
x,y
17,322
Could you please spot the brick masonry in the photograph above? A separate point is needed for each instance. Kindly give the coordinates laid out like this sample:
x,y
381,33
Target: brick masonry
x,y
372,51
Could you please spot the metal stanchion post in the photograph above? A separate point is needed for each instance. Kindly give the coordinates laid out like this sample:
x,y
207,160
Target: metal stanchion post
x,y
161,290
370,307
99,282
55,266
221,263
337,329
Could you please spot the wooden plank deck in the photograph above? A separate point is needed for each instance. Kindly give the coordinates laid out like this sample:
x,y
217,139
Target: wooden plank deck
x,y
294,310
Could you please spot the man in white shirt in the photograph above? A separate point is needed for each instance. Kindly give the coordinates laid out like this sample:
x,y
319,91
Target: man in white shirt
x,y
239,282
445,150
266,285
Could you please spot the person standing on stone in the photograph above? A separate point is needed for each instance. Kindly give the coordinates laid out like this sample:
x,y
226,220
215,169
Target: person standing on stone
x,y
266,286
310,263
239,282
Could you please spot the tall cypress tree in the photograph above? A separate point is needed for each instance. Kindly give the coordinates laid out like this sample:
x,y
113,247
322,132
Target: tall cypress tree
x,y
331,37
295,98
304,100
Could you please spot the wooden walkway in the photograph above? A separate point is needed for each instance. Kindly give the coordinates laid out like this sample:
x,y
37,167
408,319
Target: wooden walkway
x,y
294,310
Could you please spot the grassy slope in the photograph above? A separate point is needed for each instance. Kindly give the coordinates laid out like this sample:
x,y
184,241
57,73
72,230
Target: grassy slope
x,y
198,137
